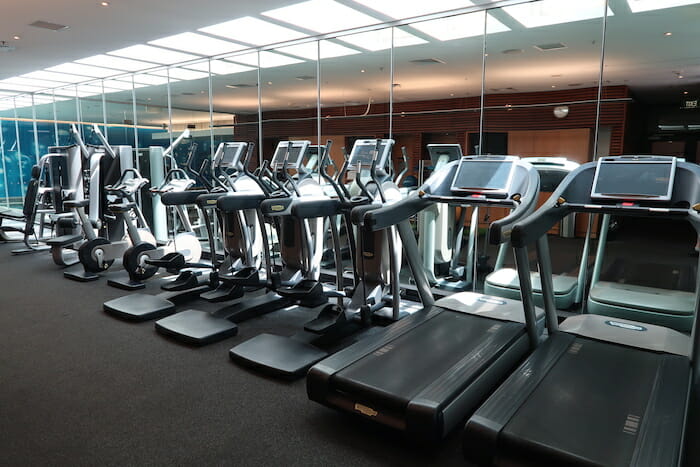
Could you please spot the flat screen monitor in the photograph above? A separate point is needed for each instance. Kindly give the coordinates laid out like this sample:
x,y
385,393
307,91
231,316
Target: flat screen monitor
x,y
292,151
634,178
438,151
482,175
364,152
231,154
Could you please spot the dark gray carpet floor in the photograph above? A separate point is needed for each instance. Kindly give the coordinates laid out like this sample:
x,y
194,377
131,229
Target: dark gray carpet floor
x,y
79,387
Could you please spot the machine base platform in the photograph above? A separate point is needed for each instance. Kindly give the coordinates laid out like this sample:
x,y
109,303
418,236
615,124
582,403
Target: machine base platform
x,y
139,307
126,284
80,276
277,355
196,327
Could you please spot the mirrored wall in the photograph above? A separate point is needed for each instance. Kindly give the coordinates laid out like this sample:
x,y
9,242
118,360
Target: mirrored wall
x,y
550,77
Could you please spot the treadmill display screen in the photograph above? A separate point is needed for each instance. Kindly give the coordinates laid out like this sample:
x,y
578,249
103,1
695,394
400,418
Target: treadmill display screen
x,y
480,175
294,154
634,179
363,154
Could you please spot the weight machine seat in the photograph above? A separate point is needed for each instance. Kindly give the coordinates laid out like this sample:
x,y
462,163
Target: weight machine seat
x,y
121,207
12,214
181,198
651,299
77,204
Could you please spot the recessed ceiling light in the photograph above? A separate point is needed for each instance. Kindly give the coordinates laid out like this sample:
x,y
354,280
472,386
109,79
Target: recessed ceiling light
x,y
181,74
321,16
461,26
381,39
267,59
668,34
362,71
647,5
554,85
549,12
198,44
85,70
409,9
253,31
118,63
149,53
104,3
685,92
310,50
16,37
220,67
269,83
680,76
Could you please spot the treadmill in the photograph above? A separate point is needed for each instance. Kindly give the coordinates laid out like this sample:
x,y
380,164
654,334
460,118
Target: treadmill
x,y
427,372
601,390
503,281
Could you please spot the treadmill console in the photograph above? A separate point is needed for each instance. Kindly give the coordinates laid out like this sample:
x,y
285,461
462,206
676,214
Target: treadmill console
x,y
648,178
490,176
228,155
313,155
552,170
291,151
365,151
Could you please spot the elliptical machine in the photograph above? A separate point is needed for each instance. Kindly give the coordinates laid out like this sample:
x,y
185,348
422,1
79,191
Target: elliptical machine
x,y
294,281
376,264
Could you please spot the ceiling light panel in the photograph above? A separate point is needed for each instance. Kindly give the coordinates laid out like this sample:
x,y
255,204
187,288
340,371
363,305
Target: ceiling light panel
x,y
30,82
181,74
647,5
51,76
253,31
381,39
410,8
222,67
4,85
88,71
150,53
310,50
460,26
117,63
549,12
267,60
148,79
321,16
198,44
118,85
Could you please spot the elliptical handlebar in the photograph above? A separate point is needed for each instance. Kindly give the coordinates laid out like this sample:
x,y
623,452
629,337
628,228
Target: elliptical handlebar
x,y
103,140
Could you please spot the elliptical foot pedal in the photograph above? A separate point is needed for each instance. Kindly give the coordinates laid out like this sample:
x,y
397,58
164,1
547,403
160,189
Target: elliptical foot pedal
x,y
185,280
139,307
331,315
81,275
223,293
246,276
278,355
196,327
126,284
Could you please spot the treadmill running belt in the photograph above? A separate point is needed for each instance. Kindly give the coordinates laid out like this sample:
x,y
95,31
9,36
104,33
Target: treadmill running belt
x,y
400,370
590,409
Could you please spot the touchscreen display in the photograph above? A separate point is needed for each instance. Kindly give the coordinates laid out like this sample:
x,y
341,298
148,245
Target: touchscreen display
x,y
295,155
475,175
363,154
452,151
634,179
232,154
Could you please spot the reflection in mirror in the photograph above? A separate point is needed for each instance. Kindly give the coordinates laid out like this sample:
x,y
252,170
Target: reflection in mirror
x,y
11,181
541,82
235,101
355,90
289,94
437,91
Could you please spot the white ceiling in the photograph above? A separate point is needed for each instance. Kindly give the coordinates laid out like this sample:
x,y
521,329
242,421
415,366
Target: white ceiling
x,y
638,54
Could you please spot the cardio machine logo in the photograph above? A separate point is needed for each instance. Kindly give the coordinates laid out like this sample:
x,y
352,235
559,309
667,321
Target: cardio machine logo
x,y
628,326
